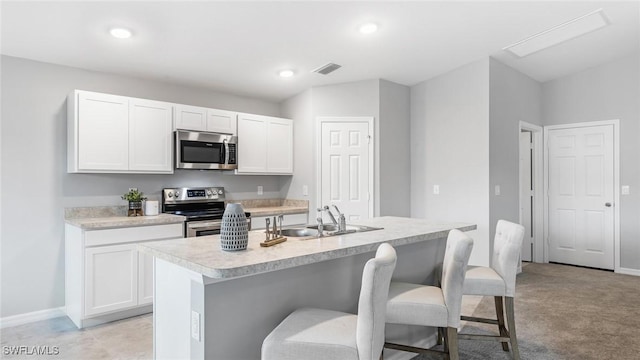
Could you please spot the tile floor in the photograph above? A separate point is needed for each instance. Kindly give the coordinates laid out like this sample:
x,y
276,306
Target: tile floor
x,y
125,339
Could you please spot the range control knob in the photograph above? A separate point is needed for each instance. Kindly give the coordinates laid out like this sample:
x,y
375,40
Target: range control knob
x,y
208,192
177,193
170,194
220,191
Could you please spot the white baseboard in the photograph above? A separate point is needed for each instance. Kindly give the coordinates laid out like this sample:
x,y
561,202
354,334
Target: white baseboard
x,y
26,318
628,271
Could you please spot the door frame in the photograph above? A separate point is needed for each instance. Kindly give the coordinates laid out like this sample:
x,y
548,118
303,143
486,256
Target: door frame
x,y
345,119
616,183
539,217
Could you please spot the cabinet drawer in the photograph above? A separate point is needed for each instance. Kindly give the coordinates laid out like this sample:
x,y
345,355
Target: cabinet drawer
x,y
132,234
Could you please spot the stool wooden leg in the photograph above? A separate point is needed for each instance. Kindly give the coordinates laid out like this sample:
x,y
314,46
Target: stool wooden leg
x,y
511,322
439,337
500,315
452,341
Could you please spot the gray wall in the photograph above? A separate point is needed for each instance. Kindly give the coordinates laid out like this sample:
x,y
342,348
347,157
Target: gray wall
x,y
36,188
514,97
450,148
610,91
395,150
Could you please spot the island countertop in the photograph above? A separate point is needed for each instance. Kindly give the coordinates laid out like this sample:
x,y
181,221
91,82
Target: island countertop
x,y
204,256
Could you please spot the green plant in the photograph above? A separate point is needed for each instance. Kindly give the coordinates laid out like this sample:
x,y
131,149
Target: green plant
x,y
134,196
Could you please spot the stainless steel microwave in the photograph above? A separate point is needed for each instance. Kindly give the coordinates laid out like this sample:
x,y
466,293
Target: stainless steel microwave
x,y
205,150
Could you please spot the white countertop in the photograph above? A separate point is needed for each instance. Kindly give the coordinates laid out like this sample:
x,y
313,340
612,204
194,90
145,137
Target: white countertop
x,y
204,256
108,222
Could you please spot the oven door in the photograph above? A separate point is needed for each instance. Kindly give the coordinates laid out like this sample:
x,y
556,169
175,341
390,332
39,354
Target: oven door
x,y
199,150
207,227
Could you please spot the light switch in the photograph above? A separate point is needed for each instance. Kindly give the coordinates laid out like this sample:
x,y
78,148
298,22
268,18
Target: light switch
x,y
497,190
625,190
305,190
436,189
260,190
195,325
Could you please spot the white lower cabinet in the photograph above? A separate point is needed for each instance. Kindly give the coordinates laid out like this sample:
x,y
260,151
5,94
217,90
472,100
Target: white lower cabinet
x,y
106,278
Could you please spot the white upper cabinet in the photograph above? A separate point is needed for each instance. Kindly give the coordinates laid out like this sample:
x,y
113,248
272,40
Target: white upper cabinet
x,y
202,119
265,145
191,118
117,134
150,140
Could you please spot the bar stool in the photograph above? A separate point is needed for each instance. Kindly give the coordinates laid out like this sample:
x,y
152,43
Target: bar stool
x,y
325,334
498,281
414,304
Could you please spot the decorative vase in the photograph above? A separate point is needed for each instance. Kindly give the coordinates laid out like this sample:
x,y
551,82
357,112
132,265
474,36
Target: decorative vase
x,y
234,230
135,208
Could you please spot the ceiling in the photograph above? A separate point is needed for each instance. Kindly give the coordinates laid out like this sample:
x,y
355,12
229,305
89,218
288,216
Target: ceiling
x,y
239,47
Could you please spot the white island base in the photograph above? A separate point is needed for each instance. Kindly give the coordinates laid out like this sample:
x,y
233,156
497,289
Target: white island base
x,y
211,304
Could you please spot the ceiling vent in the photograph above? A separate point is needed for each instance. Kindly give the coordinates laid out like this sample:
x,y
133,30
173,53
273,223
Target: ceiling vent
x,y
327,68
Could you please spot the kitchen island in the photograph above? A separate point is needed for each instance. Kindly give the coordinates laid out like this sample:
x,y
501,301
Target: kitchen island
x,y
213,304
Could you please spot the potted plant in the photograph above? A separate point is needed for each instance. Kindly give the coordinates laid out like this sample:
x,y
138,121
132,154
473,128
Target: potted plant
x,y
134,197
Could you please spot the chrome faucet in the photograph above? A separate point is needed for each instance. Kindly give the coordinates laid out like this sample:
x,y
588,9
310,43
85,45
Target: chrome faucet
x,y
343,221
320,224
333,219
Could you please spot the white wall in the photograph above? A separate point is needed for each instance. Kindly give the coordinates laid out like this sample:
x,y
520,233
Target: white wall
x,y
450,148
514,97
395,150
609,91
35,186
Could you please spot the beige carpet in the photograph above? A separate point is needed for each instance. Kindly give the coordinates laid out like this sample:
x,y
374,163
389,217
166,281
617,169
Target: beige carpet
x,y
566,312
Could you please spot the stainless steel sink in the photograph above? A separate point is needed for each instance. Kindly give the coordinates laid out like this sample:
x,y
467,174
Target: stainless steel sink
x,y
299,232
328,230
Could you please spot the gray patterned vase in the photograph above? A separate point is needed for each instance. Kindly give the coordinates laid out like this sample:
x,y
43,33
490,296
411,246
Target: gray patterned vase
x,y
234,231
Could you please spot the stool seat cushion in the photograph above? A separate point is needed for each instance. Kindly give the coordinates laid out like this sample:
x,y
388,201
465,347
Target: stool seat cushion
x,y
481,280
313,334
415,304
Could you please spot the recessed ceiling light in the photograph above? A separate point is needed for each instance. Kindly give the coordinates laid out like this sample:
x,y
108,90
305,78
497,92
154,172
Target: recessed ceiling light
x,y
286,73
368,28
558,34
120,33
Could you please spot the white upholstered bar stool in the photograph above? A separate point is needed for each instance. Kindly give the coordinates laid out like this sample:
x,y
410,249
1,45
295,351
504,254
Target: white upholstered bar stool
x,y
498,281
415,304
333,335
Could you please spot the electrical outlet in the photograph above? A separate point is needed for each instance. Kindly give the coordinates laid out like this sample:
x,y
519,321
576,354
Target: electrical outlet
x,y
497,190
195,325
260,190
625,190
436,189
305,190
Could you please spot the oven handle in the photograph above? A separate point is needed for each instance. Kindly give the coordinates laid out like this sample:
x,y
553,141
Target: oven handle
x,y
208,224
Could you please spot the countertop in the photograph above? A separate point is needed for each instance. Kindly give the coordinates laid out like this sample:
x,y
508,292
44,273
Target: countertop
x,y
276,210
108,222
204,256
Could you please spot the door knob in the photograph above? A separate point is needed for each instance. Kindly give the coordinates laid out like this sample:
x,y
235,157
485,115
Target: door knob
x,y
608,204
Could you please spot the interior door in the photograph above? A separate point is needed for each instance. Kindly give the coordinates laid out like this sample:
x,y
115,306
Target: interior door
x,y
526,195
581,194
345,155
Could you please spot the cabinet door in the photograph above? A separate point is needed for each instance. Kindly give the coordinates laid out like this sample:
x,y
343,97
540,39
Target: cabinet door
x,y
103,132
252,144
280,146
145,279
191,117
150,136
221,121
111,278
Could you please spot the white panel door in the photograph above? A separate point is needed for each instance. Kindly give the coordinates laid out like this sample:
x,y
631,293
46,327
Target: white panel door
x,y
526,195
145,278
252,144
581,194
191,117
103,129
280,146
345,168
221,121
111,278
150,136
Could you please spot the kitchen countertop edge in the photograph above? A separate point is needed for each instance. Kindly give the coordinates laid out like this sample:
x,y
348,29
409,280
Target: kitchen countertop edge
x,y
112,222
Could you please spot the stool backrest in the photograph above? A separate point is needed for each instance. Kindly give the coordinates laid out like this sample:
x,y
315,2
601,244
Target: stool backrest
x,y
372,305
506,252
454,267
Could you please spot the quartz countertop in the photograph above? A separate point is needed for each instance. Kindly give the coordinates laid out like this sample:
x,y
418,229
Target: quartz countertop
x,y
107,222
204,256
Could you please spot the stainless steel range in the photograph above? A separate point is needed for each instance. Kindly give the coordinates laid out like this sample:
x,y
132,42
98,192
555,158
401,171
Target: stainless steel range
x,y
202,206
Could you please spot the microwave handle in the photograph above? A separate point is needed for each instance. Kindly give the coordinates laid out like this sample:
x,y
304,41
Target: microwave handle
x,y
226,151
